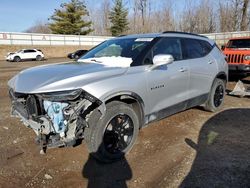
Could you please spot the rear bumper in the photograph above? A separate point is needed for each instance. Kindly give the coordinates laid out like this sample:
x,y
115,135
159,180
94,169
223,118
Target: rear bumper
x,y
239,68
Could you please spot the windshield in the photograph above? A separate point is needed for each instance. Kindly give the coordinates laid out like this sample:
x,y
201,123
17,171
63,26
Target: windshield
x,y
239,43
126,48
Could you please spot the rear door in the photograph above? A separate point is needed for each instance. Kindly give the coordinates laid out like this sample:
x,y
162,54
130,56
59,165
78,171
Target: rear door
x,y
203,66
167,84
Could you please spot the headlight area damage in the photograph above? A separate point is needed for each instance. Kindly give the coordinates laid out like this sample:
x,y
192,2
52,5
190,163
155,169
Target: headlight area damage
x,y
58,118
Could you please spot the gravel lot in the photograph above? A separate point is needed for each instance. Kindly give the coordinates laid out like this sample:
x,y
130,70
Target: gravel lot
x,y
190,149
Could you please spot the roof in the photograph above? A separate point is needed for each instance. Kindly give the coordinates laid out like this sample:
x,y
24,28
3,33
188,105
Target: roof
x,y
236,38
166,33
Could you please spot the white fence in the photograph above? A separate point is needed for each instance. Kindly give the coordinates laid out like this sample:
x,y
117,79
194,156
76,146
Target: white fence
x,y
222,38
7,38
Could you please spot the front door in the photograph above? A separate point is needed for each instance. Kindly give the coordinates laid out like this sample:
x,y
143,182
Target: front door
x,y
168,84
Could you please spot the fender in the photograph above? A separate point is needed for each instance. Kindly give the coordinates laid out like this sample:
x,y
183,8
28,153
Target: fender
x,y
128,95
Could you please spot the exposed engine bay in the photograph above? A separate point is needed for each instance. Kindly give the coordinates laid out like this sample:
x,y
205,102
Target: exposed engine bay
x,y
58,118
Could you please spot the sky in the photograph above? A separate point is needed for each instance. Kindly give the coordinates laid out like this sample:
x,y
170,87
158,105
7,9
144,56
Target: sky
x,y
19,15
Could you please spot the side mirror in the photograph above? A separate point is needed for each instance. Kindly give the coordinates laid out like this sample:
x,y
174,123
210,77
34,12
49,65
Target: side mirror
x,y
161,59
223,47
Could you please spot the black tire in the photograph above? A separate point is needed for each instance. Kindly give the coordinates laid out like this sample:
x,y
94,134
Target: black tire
x,y
17,59
108,145
76,57
38,58
216,96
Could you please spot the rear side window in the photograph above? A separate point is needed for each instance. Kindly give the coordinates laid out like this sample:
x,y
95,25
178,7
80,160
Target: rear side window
x,y
194,48
206,47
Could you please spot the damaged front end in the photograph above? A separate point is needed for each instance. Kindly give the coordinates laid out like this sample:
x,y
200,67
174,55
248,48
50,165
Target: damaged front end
x,y
58,118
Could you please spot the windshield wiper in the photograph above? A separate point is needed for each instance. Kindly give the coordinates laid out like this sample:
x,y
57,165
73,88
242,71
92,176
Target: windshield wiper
x,y
96,61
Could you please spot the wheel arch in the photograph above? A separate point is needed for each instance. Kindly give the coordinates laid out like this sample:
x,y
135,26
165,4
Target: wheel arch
x,y
17,56
223,76
130,98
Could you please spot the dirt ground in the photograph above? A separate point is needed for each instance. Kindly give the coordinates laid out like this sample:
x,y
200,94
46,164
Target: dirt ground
x,y
194,148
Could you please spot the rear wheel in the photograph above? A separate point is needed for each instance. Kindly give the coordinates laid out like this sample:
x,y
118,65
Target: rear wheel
x,y
216,96
110,137
17,59
38,58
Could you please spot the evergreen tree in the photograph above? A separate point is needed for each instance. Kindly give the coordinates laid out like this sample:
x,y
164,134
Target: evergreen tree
x,y
118,18
69,19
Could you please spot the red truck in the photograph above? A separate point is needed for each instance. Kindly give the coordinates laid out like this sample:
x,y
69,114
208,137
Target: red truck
x,y
237,51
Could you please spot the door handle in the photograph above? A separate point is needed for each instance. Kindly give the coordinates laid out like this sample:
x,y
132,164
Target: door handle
x,y
210,62
183,70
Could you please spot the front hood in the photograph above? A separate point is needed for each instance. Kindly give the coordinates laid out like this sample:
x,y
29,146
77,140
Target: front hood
x,y
59,77
11,53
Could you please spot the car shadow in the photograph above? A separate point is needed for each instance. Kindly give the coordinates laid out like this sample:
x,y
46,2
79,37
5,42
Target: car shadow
x,y
106,174
236,77
223,152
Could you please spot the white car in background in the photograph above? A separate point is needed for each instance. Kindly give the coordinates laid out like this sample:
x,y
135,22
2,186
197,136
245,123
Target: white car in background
x,y
25,54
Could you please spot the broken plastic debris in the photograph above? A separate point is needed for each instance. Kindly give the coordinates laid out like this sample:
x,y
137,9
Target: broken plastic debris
x,y
240,90
48,177
42,152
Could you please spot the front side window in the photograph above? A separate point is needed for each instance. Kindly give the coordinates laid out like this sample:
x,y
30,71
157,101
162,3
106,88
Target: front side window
x,y
171,46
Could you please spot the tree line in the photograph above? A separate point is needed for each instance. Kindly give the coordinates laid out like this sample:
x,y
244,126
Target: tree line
x,y
117,17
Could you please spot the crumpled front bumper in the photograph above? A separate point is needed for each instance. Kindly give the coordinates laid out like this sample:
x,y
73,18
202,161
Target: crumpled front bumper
x,y
30,123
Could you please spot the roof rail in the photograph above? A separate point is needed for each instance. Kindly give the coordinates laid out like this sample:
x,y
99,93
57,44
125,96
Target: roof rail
x,y
122,35
186,33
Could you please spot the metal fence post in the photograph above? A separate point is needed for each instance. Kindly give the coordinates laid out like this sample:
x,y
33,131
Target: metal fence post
x,y
31,39
11,42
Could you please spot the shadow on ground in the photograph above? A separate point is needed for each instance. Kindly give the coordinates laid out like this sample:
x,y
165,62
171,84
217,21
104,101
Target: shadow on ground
x,y
106,175
223,152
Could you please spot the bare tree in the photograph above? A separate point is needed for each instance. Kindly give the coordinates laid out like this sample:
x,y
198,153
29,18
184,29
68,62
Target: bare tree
x,y
100,20
105,9
226,17
142,7
39,27
198,18
187,21
233,15
244,23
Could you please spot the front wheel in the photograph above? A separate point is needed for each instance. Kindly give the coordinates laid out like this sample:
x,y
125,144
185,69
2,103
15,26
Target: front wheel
x,y
110,137
216,96
17,59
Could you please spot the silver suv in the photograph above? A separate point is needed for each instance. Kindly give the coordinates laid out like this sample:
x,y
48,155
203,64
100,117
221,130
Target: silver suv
x,y
117,88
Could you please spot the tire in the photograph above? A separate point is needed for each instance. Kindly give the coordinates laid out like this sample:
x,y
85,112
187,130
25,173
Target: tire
x,y
216,96
17,59
76,57
107,142
38,58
